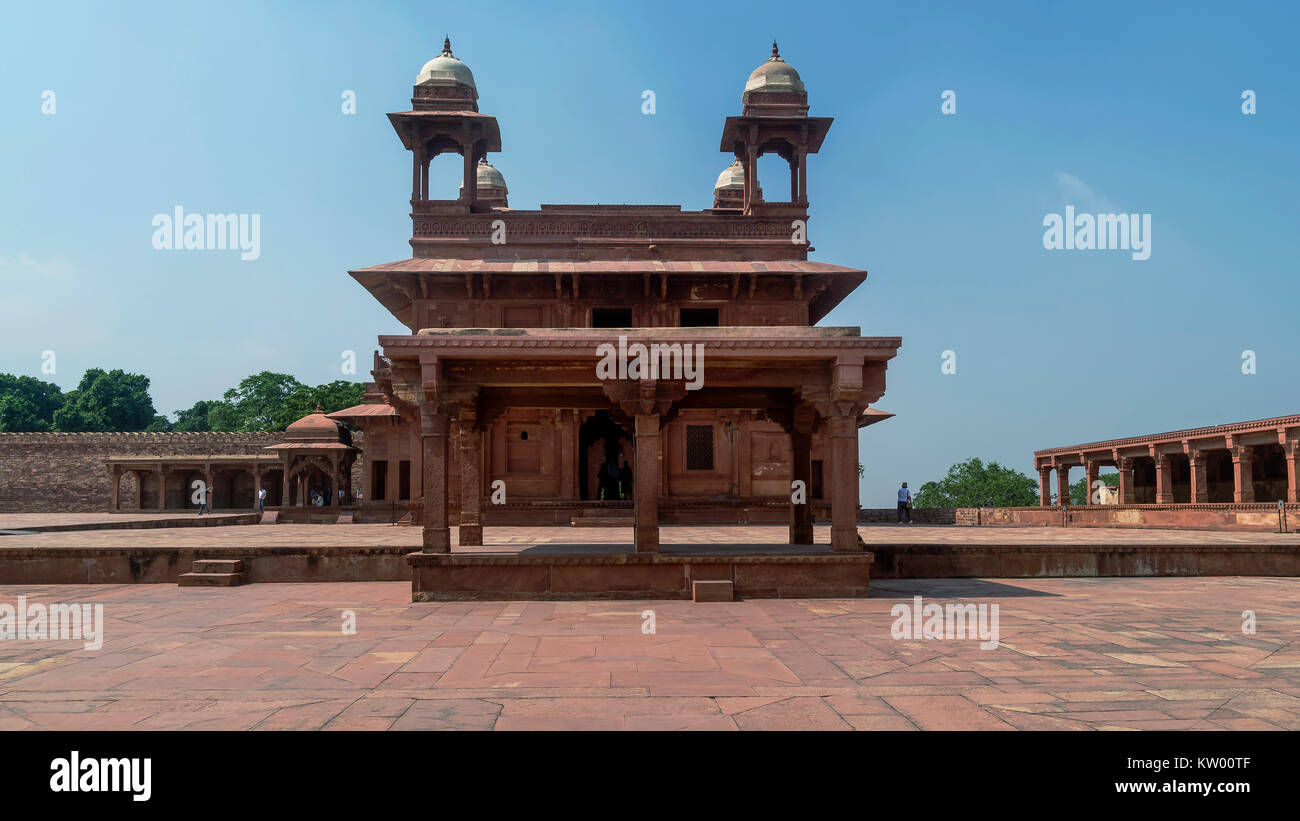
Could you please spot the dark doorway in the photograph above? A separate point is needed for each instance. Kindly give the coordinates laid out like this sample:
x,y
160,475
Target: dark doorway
x,y
611,317
600,445
699,317
404,480
379,480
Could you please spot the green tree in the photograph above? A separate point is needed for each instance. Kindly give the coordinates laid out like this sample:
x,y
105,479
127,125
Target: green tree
x,y
272,401
261,402
203,415
1079,494
974,484
107,401
27,404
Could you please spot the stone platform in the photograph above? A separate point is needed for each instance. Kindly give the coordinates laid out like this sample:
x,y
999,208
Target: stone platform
x,y
593,571
374,552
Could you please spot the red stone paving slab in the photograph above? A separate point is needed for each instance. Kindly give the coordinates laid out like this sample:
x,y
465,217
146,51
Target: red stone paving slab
x,y
1078,654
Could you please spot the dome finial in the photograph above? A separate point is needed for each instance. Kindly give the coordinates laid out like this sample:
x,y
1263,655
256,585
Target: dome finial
x,y
775,54
319,408
446,45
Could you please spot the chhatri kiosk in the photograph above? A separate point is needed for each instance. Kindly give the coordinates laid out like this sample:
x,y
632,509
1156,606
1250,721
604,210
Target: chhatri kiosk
x,y
526,379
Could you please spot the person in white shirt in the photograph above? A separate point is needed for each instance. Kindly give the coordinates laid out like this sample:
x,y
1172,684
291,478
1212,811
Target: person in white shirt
x,y
904,504
261,500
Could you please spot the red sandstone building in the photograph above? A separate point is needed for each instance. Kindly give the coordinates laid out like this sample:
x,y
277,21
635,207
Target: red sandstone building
x,y
1241,463
494,408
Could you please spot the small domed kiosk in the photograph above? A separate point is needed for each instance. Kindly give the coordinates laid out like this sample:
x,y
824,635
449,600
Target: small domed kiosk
x,y
317,454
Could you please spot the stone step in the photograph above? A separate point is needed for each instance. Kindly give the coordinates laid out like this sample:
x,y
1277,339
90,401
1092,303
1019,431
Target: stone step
x,y
603,511
610,521
270,517
212,579
218,565
712,591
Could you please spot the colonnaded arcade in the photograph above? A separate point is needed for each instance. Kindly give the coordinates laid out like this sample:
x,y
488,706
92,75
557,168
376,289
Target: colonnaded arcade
x,y
1238,463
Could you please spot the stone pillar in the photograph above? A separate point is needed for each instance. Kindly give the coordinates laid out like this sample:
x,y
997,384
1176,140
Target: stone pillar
x,y
1292,449
804,176
139,489
115,498
1062,484
1045,487
471,483
645,486
843,441
471,173
801,518
285,495
257,484
416,502
1091,473
1243,480
1200,482
435,435
162,488
1164,479
210,480
1125,465
416,180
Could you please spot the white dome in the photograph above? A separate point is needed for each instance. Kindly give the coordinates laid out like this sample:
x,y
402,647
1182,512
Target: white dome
x,y
489,177
446,70
774,75
732,178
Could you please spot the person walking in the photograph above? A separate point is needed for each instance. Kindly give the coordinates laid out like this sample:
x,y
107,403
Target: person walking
x,y
261,500
904,504
204,497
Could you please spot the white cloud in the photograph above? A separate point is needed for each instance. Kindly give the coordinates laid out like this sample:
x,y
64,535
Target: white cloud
x,y
1078,193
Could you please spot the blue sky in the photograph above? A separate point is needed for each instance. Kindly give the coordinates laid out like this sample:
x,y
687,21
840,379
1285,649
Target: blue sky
x,y
236,107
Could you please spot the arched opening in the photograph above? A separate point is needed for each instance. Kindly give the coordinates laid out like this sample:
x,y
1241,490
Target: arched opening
x,y
1268,473
189,490
273,484
236,490
1180,472
1144,480
1218,476
128,486
604,449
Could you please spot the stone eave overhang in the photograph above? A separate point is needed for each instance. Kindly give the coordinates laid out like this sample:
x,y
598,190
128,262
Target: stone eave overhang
x,y
396,285
812,129
582,343
412,126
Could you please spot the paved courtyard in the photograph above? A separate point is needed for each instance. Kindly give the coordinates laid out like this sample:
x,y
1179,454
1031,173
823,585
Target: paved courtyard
x,y
1077,654
383,535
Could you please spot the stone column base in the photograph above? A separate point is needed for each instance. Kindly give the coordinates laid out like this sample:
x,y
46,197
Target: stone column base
x,y
845,539
471,534
801,534
437,540
646,539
